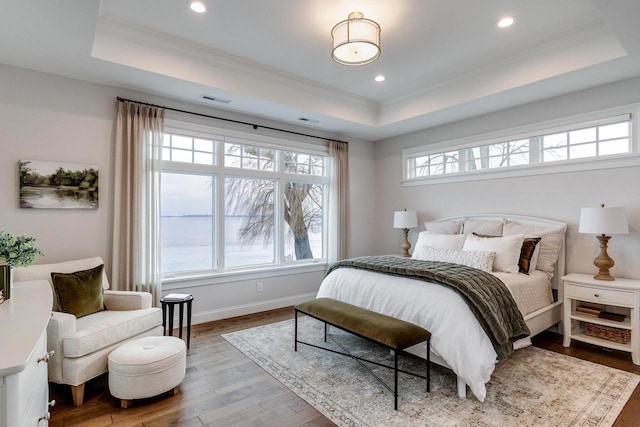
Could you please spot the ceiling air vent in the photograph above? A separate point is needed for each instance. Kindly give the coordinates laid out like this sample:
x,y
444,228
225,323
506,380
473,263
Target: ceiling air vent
x,y
215,99
308,120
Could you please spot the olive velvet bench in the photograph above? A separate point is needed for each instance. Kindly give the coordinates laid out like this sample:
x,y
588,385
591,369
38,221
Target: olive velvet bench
x,y
394,334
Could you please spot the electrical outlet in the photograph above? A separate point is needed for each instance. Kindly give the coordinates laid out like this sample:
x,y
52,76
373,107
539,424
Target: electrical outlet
x,y
259,287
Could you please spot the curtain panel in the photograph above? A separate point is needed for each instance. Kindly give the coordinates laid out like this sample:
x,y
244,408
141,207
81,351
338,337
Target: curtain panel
x,y
136,223
338,201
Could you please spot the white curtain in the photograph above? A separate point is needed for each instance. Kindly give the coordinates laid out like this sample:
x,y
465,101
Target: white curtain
x,y
136,223
338,201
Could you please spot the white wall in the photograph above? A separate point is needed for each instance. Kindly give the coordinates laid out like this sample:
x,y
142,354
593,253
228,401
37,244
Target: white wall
x,y
46,117
554,196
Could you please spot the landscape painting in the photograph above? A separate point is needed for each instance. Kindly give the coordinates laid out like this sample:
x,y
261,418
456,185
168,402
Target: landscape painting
x,y
55,185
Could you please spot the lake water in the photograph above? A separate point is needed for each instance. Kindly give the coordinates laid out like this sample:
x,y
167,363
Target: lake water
x,y
187,245
57,198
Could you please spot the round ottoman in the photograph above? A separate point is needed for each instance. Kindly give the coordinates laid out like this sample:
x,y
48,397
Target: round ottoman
x,y
146,367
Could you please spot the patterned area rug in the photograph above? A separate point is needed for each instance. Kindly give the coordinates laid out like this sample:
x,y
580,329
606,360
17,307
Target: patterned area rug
x,y
534,387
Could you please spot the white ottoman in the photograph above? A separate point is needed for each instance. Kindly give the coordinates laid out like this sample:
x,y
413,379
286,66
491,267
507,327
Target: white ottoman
x,y
146,367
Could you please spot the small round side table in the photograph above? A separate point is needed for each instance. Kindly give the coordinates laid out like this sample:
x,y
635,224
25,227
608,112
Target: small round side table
x,y
168,306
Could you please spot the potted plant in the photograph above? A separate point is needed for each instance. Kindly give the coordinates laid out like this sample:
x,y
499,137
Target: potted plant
x,y
14,252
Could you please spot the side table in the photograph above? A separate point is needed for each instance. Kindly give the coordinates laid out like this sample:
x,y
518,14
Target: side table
x,y
621,295
168,306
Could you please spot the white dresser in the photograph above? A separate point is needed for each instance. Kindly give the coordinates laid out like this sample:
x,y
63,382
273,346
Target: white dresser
x,y
24,387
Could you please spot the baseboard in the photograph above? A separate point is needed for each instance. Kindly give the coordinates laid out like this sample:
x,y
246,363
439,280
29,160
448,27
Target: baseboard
x,y
241,310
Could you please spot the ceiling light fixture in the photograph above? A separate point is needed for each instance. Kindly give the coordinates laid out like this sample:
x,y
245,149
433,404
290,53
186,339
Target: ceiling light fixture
x,y
198,7
507,21
379,78
356,40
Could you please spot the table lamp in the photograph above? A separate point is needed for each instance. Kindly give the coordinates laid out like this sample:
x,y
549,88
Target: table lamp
x,y
603,221
405,219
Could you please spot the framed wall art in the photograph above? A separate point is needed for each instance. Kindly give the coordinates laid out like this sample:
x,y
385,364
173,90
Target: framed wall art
x,y
55,185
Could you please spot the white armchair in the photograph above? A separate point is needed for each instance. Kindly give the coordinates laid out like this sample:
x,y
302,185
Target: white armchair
x,y
82,345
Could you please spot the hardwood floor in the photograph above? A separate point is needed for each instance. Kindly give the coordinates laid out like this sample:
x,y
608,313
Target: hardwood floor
x,y
222,387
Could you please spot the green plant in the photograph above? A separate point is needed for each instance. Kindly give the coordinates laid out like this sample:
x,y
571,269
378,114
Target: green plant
x,y
21,250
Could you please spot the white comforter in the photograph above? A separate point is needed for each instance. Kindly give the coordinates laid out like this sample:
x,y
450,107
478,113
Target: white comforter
x,y
456,335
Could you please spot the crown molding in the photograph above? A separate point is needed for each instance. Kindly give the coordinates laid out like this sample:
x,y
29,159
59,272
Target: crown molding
x,y
597,42
109,28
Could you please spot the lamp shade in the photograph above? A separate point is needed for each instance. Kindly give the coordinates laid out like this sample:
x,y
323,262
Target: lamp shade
x,y
405,219
603,220
356,40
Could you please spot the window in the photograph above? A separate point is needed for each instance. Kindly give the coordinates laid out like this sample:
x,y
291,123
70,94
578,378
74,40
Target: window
x,y
233,205
434,164
503,154
593,141
186,222
567,144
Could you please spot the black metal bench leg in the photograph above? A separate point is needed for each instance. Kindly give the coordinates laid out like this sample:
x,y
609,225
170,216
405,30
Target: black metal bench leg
x,y
395,380
326,328
428,365
295,342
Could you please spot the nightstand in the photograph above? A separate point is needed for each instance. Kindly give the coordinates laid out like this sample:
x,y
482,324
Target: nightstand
x,y
620,296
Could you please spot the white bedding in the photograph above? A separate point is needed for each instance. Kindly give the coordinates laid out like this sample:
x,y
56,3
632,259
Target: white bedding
x,y
457,336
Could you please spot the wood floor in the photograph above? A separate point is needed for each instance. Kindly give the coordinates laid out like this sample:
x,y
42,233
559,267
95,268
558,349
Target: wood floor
x,y
222,387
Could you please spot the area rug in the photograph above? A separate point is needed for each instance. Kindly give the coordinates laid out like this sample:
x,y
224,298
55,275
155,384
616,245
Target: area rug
x,y
534,387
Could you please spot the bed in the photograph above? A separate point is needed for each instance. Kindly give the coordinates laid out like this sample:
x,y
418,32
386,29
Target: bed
x,y
458,340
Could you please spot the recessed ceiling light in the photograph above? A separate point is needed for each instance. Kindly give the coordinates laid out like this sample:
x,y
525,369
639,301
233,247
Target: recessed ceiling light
x,y
507,21
198,7
379,78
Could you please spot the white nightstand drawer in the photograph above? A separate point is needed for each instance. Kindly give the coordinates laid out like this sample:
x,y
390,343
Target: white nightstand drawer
x,y
599,295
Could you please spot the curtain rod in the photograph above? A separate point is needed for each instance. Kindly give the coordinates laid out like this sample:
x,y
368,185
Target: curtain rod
x,y
255,126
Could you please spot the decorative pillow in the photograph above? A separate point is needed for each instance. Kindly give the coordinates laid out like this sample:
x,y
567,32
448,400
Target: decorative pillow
x,y
528,253
480,260
534,259
550,244
453,226
529,245
79,293
507,250
487,228
442,241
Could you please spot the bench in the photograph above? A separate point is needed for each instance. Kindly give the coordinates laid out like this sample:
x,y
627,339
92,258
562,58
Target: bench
x,y
387,331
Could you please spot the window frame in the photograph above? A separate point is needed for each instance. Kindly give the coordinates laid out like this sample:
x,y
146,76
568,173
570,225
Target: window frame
x,y
218,171
535,166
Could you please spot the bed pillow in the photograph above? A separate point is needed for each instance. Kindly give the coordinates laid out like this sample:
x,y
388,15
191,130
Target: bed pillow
x,y
79,293
507,250
529,245
550,243
442,241
484,227
480,260
453,226
528,252
534,258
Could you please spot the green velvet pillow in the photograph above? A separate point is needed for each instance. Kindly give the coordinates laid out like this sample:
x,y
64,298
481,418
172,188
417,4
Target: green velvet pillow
x,y
79,293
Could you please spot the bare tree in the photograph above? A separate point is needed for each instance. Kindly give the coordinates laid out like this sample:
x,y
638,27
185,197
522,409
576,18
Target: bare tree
x,y
255,199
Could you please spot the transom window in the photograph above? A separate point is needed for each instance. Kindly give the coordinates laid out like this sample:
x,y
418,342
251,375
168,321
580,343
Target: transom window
x,y
187,149
248,157
234,206
592,141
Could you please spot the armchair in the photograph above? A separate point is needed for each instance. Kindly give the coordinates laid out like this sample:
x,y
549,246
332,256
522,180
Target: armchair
x,y
82,345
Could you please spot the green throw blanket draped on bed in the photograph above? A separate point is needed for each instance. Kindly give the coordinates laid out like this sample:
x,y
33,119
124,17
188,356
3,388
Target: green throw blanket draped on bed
x,y
488,298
